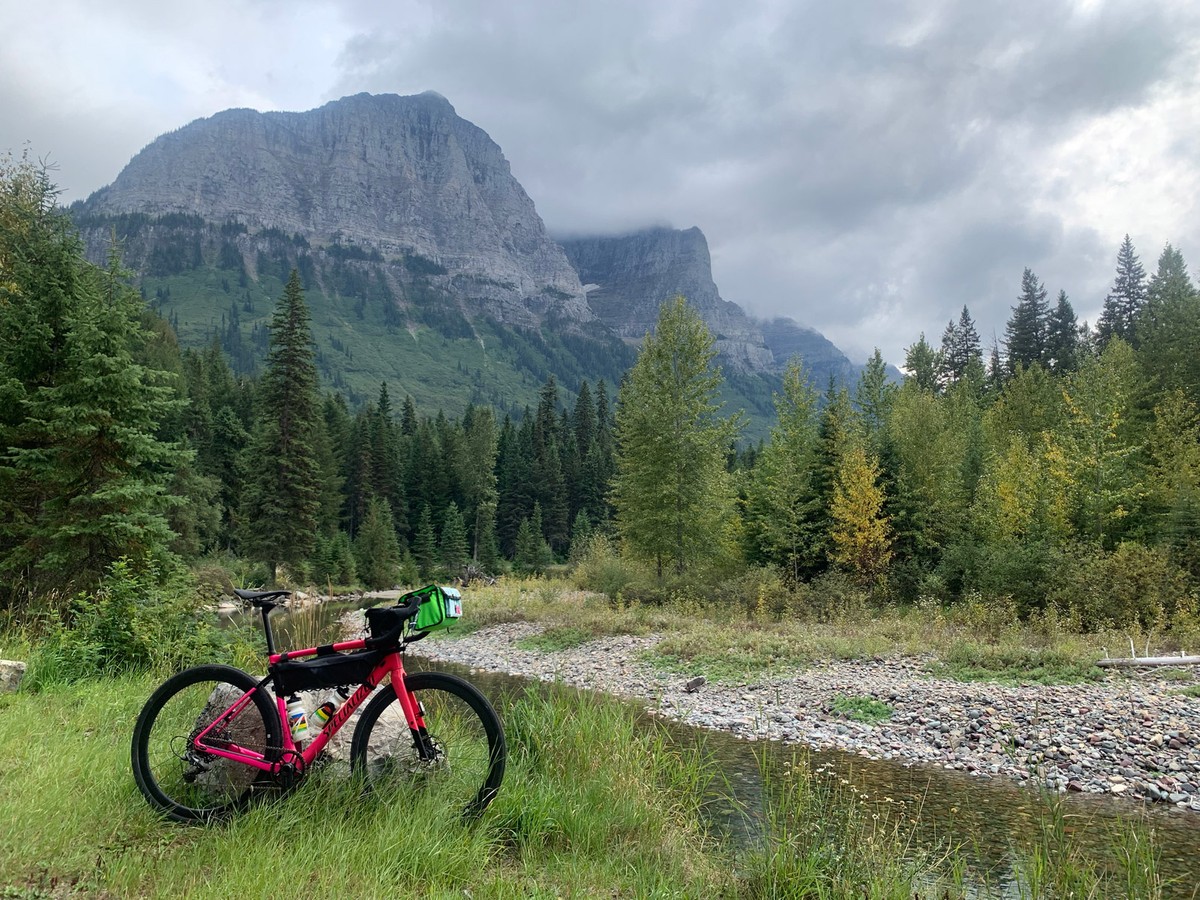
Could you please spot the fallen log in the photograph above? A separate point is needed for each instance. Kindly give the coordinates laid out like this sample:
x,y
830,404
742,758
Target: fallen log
x,y
1150,661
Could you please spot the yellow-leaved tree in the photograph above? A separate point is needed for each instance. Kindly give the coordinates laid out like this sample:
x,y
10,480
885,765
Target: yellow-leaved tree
x,y
860,531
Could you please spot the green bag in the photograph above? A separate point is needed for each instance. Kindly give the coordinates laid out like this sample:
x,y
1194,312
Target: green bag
x,y
440,606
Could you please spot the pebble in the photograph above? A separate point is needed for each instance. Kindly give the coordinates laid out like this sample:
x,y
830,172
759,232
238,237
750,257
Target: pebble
x,y
1131,733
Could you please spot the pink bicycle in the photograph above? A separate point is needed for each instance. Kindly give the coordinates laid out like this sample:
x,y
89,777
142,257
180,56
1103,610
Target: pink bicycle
x,y
213,738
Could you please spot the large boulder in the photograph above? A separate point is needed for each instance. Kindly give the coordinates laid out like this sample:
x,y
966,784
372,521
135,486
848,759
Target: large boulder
x,y
11,673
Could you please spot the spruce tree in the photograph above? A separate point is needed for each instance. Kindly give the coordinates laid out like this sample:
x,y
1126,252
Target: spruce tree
x,y
1062,337
425,544
1169,326
923,363
453,547
283,496
1124,303
1025,333
672,494
84,474
960,348
376,549
783,504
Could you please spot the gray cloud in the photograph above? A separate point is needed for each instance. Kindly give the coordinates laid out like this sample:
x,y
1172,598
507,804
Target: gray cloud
x,y
864,167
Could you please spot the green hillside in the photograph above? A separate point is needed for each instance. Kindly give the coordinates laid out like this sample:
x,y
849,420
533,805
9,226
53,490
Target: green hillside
x,y
402,320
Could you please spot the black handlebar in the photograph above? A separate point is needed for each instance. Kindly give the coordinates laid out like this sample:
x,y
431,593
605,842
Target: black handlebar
x,y
387,622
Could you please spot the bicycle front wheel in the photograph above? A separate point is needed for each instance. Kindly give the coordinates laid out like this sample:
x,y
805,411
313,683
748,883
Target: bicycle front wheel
x,y
182,780
466,763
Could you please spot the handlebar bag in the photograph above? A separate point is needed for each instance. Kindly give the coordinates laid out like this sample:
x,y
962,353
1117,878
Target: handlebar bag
x,y
440,606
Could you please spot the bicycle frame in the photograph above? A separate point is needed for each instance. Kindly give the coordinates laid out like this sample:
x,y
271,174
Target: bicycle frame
x,y
391,664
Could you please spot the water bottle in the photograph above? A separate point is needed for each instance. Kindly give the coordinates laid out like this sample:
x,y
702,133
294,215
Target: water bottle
x,y
323,713
297,719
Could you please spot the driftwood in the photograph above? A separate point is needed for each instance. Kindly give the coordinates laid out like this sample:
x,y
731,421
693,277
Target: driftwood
x,y
1150,661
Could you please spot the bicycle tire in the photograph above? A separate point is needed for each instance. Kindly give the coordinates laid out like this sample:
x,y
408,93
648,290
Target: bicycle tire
x,y
466,733
187,785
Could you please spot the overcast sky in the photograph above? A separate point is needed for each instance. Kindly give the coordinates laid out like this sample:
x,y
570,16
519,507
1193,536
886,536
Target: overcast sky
x,y
866,168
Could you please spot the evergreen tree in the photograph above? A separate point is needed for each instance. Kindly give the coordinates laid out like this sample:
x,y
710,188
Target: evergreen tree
x,y
386,466
83,473
581,535
1124,303
960,348
673,497
1025,333
533,555
1062,337
1169,326
514,481
783,503
377,551
874,396
453,547
548,477
923,363
477,471
425,550
283,496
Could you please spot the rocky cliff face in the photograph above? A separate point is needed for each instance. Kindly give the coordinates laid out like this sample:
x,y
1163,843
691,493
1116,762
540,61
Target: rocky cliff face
x,y
628,277
401,175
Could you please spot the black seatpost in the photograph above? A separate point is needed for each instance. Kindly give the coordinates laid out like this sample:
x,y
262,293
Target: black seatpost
x,y
267,609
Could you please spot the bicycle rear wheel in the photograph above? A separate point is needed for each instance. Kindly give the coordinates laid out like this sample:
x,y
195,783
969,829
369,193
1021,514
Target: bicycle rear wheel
x,y
184,782
469,752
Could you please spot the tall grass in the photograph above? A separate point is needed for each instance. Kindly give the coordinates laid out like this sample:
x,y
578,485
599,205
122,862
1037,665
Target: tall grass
x,y
595,803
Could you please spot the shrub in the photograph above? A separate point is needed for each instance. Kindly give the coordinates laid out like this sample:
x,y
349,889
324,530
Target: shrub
x,y
137,620
836,597
1131,586
603,570
760,593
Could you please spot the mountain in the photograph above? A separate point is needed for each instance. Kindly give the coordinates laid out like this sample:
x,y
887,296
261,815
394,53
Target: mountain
x,y
628,277
424,261
402,176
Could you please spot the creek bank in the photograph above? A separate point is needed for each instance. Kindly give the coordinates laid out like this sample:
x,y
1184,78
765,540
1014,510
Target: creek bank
x,y
1131,735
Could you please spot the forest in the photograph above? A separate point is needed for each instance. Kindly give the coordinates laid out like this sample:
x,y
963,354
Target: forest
x,y
1057,474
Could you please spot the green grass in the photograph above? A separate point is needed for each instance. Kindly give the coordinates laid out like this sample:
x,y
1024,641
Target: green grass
x,y
1190,691
861,709
595,803
969,661
553,640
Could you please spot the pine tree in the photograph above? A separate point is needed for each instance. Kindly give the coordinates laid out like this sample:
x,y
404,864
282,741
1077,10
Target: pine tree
x,y
83,473
1124,303
283,497
1025,333
672,494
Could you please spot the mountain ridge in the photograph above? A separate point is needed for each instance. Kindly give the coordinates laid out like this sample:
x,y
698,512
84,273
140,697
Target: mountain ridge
x,y
404,220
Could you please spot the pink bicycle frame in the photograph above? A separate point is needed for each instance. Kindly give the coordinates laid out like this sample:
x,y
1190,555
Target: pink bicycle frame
x,y
391,664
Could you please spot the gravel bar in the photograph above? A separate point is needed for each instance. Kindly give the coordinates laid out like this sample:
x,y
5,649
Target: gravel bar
x,y
1131,735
